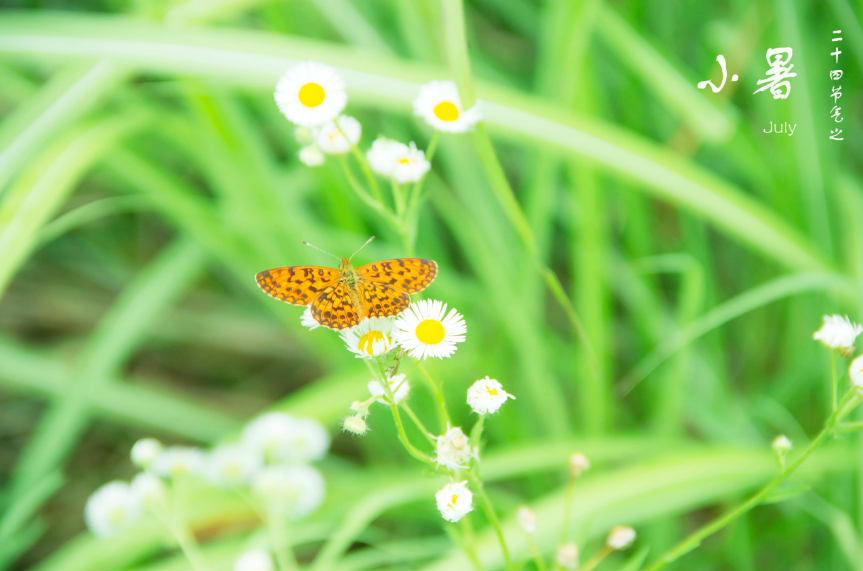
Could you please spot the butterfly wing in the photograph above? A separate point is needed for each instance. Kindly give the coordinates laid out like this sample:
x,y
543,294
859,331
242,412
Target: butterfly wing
x,y
406,275
298,285
334,308
381,300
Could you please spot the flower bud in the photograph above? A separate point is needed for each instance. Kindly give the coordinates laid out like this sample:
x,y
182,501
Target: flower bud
x,y
620,537
527,520
578,463
355,425
567,556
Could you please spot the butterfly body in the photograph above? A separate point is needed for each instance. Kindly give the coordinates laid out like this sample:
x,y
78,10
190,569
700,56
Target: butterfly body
x,y
341,298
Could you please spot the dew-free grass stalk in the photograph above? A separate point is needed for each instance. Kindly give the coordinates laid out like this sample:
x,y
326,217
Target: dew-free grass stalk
x,y
456,47
851,399
596,559
439,400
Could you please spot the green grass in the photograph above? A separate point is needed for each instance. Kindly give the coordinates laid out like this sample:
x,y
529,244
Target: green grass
x,y
146,175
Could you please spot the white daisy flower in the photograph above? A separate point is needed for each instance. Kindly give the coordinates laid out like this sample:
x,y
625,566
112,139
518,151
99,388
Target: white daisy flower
x,y
527,520
620,537
578,463
855,372
310,94
149,490
280,437
425,329
398,161
338,140
111,509
372,337
306,319
311,156
309,440
453,449
398,385
439,104
254,560
179,462
567,556
454,501
290,491
232,465
838,332
145,451
486,396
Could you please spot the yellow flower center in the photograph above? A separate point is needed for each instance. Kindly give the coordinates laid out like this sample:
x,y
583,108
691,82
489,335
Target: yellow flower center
x,y
446,111
368,340
454,500
405,161
492,392
311,95
430,332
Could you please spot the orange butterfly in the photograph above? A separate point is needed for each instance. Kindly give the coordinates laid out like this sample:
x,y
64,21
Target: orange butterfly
x,y
341,298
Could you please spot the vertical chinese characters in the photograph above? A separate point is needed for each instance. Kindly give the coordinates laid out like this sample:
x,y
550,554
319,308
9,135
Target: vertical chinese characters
x,y
836,90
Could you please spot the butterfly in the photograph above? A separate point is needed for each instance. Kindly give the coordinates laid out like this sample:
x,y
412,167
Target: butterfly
x,y
341,298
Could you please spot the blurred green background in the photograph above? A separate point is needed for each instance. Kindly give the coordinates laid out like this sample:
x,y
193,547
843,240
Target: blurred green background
x,y
146,176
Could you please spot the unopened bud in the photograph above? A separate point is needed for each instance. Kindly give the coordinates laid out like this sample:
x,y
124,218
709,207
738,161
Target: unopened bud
x,y
620,537
355,425
527,520
567,556
578,463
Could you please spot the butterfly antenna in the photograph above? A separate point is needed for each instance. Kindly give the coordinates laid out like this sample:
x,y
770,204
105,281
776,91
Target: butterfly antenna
x,y
319,250
361,247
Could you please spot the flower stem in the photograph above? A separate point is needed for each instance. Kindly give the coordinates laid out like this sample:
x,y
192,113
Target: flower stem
x,y
403,437
456,48
441,405
285,557
596,559
189,547
835,380
694,539
567,509
537,556
469,542
417,422
488,508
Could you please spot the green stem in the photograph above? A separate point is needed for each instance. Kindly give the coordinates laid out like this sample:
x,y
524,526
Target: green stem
x,y
694,539
469,541
403,437
398,199
848,427
441,405
358,188
835,380
596,559
285,557
567,509
537,556
415,194
418,423
189,547
488,508
456,47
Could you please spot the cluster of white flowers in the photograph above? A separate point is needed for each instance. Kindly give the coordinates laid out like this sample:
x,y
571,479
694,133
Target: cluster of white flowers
x,y
312,96
271,460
